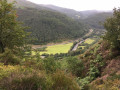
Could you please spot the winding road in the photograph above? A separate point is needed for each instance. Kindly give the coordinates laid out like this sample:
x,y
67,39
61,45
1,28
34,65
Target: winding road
x,y
75,47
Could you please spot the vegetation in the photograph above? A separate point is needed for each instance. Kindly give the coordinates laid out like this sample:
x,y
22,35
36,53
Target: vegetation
x,y
113,28
95,67
89,41
96,20
12,34
46,26
60,48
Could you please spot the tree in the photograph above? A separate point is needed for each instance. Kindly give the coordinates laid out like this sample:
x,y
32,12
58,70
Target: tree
x,y
112,25
12,34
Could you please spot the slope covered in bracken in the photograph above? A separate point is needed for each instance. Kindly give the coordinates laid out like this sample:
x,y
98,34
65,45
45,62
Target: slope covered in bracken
x,y
102,65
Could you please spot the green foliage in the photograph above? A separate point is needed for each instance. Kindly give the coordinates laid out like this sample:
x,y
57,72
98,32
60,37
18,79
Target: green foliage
x,y
6,70
51,65
31,77
94,72
83,83
75,66
26,79
63,82
96,20
112,25
95,65
111,83
12,34
8,57
47,26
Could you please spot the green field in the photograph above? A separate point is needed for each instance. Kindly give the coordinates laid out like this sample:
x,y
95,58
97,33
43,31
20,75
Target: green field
x,y
89,41
81,47
61,48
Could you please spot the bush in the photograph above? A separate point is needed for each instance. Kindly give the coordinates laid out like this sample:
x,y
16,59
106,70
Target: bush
x,y
84,83
109,84
75,66
50,65
9,58
63,82
26,79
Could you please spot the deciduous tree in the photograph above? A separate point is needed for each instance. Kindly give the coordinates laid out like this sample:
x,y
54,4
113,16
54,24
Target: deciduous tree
x,y
12,34
112,25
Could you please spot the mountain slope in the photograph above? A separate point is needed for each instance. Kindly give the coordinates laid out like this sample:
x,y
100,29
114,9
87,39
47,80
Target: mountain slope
x,y
24,3
93,18
69,12
73,13
47,25
96,20
101,68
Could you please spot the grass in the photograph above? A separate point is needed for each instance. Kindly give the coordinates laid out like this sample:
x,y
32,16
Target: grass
x,y
89,41
81,47
61,48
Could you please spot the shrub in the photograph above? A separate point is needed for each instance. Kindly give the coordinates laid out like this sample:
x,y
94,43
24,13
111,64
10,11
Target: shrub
x,y
6,70
9,58
83,83
75,66
26,79
108,84
63,82
51,65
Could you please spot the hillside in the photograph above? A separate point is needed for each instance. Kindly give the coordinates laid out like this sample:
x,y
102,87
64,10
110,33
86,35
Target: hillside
x,y
24,3
101,68
93,18
97,20
47,25
69,12
94,65
73,13
54,21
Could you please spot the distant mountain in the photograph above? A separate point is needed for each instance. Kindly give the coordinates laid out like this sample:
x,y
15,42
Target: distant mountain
x,y
93,18
51,23
48,25
89,13
73,13
69,12
24,3
97,20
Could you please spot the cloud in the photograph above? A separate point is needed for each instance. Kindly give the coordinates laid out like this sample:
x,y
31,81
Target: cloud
x,y
82,4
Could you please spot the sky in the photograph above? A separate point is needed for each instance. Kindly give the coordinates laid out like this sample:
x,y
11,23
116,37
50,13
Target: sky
x,y
81,5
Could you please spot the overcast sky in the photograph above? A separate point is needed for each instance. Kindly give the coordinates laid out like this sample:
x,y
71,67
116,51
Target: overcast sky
x,y
81,5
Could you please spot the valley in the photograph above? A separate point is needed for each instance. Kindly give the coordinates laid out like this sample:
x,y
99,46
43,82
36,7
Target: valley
x,y
47,47
63,47
54,49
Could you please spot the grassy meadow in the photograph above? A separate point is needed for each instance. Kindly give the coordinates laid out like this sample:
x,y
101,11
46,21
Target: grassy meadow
x,y
89,41
81,47
60,48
